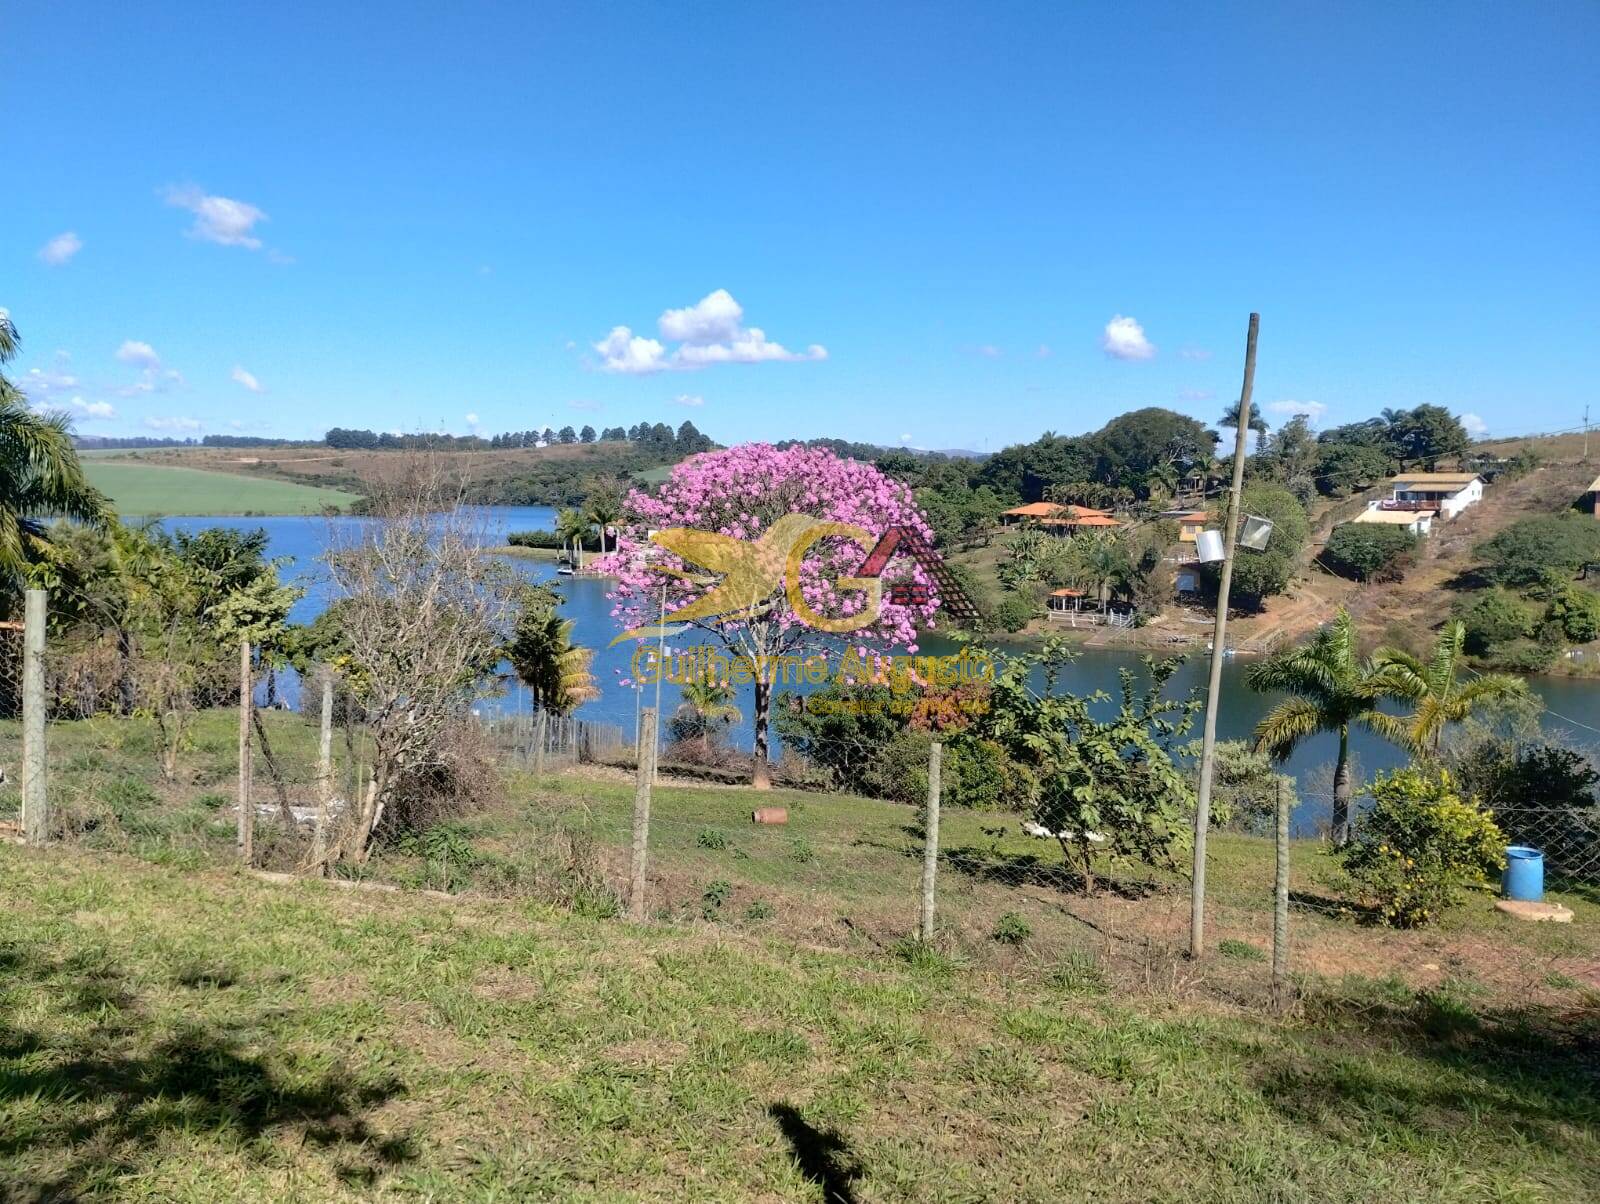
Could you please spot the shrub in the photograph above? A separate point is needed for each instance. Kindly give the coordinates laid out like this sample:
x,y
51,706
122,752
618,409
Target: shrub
x,y
1419,845
713,897
1369,552
760,909
1493,618
800,850
1012,929
1531,548
1259,574
1576,611
711,838
1013,613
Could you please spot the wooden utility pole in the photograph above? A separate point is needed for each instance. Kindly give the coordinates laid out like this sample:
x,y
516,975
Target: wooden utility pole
x,y
245,841
644,775
1219,643
1280,909
930,840
319,838
35,798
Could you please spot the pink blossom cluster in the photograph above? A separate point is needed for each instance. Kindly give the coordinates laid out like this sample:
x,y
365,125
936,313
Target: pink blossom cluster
x,y
740,492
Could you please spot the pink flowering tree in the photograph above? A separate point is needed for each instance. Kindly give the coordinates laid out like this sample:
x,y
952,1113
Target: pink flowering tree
x,y
743,493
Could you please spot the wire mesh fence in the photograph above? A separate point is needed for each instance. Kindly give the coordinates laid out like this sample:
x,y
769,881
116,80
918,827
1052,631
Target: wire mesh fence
x,y
192,759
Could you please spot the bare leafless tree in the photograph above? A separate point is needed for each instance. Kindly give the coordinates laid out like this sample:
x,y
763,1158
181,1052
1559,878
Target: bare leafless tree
x,y
422,616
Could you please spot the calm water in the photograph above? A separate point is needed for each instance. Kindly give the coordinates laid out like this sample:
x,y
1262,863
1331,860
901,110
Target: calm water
x,y
303,540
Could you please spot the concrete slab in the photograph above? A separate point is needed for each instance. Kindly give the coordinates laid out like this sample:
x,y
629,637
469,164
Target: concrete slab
x,y
1552,912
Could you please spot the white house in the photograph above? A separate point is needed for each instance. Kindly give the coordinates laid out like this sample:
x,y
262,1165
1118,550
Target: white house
x,y
1418,522
1447,493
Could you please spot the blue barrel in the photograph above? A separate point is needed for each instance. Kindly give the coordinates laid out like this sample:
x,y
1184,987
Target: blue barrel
x,y
1524,876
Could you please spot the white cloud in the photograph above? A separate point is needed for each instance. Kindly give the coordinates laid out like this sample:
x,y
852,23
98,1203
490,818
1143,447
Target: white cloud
x,y
623,351
172,424
1474,425
1197,394
218,219
905,437
989,351
688,399
41,383
472,421
143,355
92,410
60,249
1313,410
1195,353
711,331
715,318
750,347
247,379
1124,340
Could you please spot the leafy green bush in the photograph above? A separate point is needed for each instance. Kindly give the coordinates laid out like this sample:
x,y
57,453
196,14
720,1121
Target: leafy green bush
x,y
759,910
1419,845
1259,574
711,838
1493,618
1014,612
1576,611
1530,549
713,897
1543,794
1369,552
1012,929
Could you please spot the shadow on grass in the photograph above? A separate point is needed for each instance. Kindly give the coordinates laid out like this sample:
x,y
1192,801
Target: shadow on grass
x,y
822,1155
90,1100
1431,1065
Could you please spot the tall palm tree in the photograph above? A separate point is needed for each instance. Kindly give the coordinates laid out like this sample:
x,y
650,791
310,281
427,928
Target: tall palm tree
x,y
1331,688
572,528
541,652
1440,698
711,703
604,509
1230,419
40,475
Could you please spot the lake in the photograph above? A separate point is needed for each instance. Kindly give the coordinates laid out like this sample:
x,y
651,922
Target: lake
x,y
303,539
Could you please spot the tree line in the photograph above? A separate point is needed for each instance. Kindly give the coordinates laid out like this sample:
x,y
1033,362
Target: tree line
x,y
657,438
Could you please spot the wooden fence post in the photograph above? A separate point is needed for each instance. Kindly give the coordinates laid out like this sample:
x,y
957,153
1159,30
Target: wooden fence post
x,y
644,775
247,816
319,838
35,776
539,742
930,840
1280,910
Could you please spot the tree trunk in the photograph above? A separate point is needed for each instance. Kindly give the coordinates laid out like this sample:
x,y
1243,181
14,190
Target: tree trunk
x,y
1341,790
760,777
126,698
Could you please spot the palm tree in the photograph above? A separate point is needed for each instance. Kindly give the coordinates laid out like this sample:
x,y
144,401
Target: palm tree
x,y
1230,419
1099,559
711,704
1162,481
1331,688
604,509
1439,697
541,652
39,474
572,528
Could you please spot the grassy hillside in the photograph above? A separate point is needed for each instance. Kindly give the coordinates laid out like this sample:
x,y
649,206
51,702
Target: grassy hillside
x,y
210,1036
514,476
146,489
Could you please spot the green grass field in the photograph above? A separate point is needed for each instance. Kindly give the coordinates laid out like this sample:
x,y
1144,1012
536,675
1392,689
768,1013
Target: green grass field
x,y
148,490
174,1029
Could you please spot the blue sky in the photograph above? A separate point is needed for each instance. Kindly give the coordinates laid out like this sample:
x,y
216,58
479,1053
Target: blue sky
x,y
402,215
